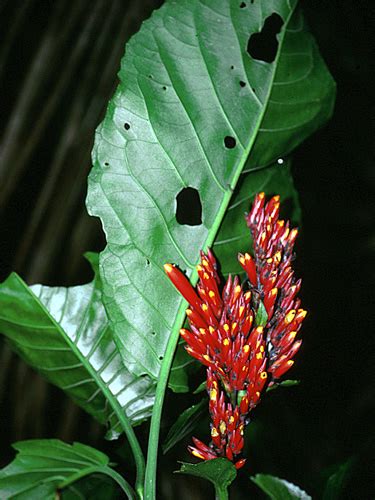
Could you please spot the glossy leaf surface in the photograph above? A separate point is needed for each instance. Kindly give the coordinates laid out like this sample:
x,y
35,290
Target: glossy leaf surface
x,y
279,489
182,118
219,471
185,424
64,334
42,467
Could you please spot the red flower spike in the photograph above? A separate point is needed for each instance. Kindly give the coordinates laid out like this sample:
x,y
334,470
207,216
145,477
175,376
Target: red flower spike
x,y
183,285
241,359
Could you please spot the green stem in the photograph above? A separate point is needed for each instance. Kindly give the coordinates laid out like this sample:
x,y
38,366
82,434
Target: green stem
x,y
136,450
221,494
153,442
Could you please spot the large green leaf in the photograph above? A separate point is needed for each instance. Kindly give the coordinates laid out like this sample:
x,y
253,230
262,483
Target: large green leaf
x,y
44,466
181,93
64,334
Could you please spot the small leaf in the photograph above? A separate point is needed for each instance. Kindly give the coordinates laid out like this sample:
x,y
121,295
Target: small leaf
x,y
43,466
220,472
284,383
336,481
279,489
201,387
184,425
261,316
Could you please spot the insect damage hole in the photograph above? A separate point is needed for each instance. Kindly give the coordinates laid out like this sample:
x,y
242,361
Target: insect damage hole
x,y
229,142
189,207
126,126
263,45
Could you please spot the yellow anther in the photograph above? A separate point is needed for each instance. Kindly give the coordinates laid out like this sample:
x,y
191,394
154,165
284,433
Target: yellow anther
x,y
246,348
274,291
199,268
234,326
244,368
280,223
237,289
189,312
242,260
290,362
204,307
247,256
290,316
205,263
206,276
211,294
213,394
247,295
285,235
231,419
259,355
226,327
197,454
214,432
241,310
202,331
259,329
263,236
292,335
269,260
206,357
263,375
277,256
293,233
211,329
261,349
168,268
301,313
261,195
257,394
222,427
226,342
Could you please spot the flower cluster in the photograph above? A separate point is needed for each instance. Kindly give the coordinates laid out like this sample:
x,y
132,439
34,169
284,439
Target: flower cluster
x,y
244,334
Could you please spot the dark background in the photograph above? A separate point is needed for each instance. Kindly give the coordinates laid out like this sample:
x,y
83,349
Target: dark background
x,y
58,65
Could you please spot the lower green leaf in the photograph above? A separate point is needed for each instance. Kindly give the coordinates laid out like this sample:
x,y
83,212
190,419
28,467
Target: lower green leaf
x,y
336,481
64,334
279,489
43,467
219,471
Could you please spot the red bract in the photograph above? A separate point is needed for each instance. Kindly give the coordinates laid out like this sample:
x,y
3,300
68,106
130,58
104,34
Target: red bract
x,y
242,357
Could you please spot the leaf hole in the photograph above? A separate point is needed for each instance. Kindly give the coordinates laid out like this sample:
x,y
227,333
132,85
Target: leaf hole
x,y
242,5
106,164
189,207
161,358
147,262
126,126
263,45
229,142
153,333
232,67
242,84
164,87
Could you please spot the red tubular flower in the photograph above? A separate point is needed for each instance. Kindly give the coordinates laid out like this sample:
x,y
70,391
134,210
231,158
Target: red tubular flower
x,y
242,357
